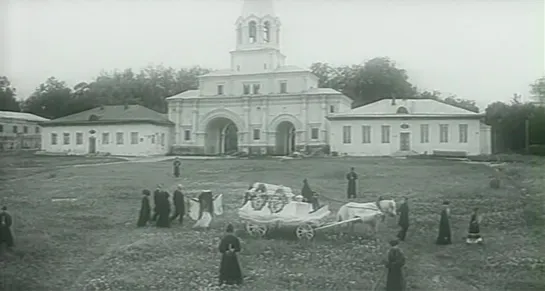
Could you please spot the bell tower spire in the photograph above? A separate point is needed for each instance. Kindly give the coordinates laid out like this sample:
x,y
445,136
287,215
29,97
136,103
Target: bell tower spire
x,y
258,26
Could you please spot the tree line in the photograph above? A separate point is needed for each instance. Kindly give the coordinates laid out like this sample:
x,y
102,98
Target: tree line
x,y
376,79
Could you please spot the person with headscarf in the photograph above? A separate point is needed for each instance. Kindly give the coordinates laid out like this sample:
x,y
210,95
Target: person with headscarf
x,y
394,265
179,204
6,237
474,232
145,209
206,209
306,192
176,166
230,272
444,237
163,210
403,219
156,202
352,177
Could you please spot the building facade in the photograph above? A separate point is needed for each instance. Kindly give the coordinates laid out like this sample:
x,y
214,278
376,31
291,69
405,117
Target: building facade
x,y
130,130
405,127
259,105
20,130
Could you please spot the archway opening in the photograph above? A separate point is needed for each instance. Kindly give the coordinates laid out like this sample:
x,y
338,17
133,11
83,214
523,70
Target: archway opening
x,y
285,138
221,137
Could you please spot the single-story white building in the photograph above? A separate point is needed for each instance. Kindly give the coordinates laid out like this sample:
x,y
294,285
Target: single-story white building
x,y
122,130
407,127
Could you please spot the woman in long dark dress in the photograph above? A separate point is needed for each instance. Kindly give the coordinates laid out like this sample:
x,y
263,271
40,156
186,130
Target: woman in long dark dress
x,y
164,210
474,232
6,237
444,237
396,260
230,272
177,165
306,192
145,210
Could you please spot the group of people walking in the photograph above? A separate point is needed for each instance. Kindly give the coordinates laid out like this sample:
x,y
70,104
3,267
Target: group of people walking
x,y
162,209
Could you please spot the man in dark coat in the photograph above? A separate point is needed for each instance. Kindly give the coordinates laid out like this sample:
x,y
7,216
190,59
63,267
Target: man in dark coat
x,y
352,177
163,220
6,237
395,263
444,237
145,210
156,202
403,219
230,272
306,192
179,204
177,165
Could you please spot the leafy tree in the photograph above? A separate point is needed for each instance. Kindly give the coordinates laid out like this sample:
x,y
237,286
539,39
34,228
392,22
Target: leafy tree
x,y
52,99
7,96
537,89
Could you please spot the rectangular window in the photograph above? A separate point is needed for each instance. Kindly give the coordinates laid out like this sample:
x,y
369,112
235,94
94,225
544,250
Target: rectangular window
x,y
366,134
153,139
53,138
443,133
424,133
220,89
463,133
347,134
187,134
331,108
1,128
315,133
162,139
134,137
255,88
25,129
79,138
283,87
37,130
119,138
246,89
105,138
15,129
66,138
257,134
385,134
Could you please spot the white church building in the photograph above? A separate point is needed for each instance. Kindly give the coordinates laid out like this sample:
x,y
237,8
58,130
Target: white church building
x,y
259,105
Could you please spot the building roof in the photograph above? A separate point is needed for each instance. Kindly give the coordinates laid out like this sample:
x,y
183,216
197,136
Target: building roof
x,y
21,116
281,69
193,94
416,108
113,114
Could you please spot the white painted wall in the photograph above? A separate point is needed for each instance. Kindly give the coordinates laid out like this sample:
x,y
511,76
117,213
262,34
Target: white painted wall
x,y
475,144
149,136
11,140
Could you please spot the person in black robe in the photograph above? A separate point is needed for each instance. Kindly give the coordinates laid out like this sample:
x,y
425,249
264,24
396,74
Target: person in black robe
x,y
444,237
403,219
230,272
156,202
164,210
179,204
352,177
396,260
474,232
206,203
145,210
6,237
177,165
306,192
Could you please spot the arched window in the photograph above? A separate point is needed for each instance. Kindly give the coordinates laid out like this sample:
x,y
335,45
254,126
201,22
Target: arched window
x,y
267,31
402,110
252,31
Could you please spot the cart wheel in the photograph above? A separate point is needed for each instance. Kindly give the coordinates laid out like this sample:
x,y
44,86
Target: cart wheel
x,y
256,230
305,231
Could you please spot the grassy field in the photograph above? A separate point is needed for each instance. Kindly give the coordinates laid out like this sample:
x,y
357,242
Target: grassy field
x,y
66,245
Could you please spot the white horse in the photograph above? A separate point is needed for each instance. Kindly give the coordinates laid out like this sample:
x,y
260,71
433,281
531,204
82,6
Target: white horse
x,y
370,213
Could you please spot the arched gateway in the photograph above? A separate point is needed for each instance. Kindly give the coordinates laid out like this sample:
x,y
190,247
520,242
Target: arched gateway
x,y
221,136
285,138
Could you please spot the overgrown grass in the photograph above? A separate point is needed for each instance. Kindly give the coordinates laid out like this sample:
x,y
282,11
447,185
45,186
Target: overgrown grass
x,y
65,245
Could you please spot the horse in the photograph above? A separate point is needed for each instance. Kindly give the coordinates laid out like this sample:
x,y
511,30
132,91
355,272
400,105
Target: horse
x,y
370,213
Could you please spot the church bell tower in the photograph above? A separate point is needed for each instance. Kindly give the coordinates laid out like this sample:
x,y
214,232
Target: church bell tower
x,y
257,38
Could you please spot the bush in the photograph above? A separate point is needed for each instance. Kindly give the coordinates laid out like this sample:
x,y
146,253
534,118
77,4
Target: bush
x,y
537,149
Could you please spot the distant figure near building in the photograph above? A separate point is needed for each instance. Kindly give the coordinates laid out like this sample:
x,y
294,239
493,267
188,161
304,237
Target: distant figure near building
x,y
396,260
230,272
403,219
145,209
444,237
474,232
177,165
352,177
179,204
6,236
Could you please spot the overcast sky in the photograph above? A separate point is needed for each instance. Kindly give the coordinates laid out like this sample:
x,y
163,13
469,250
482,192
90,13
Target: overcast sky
x,y
476,49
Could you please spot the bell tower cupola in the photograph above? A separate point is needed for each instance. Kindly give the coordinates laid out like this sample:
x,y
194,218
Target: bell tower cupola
x,y
258,26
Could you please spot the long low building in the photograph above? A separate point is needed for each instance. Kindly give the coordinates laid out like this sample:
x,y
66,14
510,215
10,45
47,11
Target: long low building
x,y
20,130
121,130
